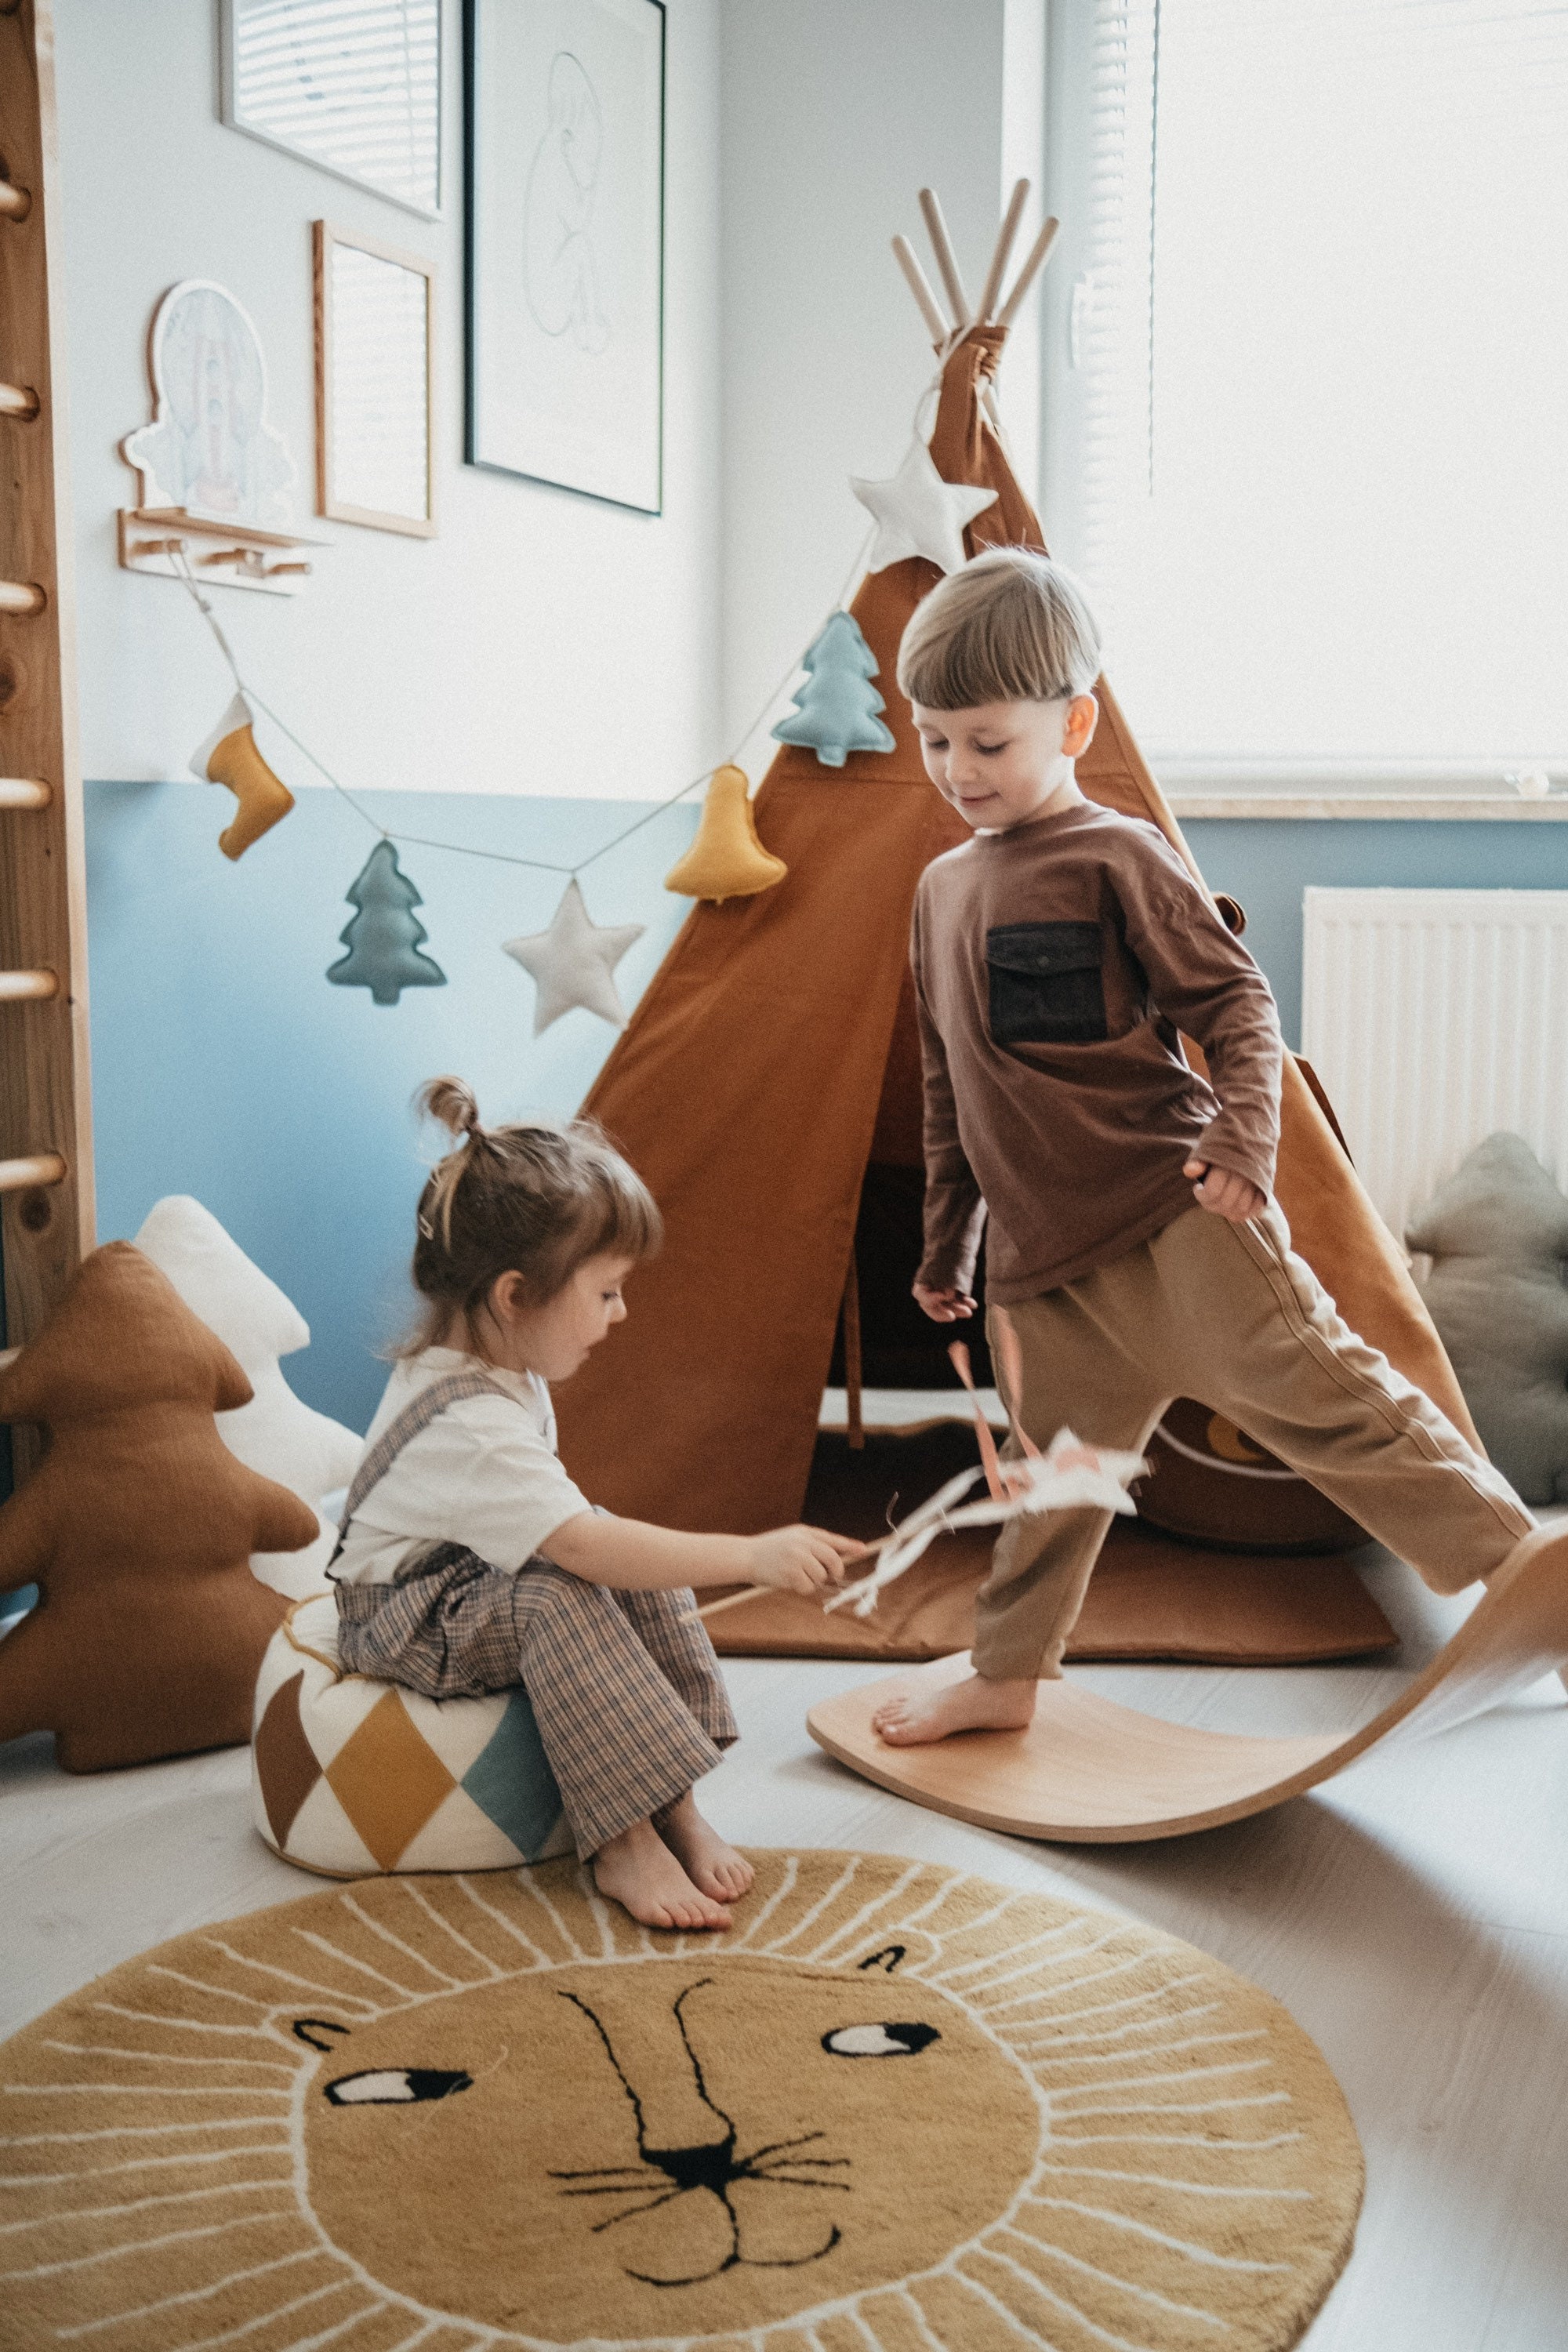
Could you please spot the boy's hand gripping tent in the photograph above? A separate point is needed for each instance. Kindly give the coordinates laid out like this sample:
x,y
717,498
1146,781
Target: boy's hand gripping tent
x,y
773,1058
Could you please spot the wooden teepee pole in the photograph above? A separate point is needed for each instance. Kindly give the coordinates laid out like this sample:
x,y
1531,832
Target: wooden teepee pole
x,y
1033,266
1000,258
946,261
919,284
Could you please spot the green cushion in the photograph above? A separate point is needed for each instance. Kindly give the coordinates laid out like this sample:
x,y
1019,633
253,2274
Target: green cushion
x,y
1497,1233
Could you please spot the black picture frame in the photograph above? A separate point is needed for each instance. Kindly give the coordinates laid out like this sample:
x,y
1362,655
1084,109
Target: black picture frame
x,y
563,169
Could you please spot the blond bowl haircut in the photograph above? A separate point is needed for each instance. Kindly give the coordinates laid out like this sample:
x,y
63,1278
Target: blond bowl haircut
x,y
1012,626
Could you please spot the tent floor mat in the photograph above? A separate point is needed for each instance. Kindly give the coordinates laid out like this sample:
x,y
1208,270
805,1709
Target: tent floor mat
x,y
1150,1597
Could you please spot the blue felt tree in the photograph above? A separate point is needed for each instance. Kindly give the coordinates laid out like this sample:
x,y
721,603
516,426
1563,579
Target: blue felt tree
x,y
836,709
384,936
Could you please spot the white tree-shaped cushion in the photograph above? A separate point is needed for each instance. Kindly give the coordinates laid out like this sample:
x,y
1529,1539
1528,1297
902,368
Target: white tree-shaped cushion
x,y
276,1434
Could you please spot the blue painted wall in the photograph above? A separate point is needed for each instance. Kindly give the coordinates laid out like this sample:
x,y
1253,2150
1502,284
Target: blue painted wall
x,y
1266,865
225,1067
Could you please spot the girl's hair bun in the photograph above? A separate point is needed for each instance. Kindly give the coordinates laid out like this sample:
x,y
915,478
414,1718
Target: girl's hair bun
x,y
536,1199
452,1102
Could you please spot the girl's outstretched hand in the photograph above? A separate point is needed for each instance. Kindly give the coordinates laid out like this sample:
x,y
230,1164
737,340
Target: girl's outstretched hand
x,y
801,1560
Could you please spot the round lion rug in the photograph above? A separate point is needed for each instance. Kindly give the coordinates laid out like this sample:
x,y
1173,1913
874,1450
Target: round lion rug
x,y
896,2109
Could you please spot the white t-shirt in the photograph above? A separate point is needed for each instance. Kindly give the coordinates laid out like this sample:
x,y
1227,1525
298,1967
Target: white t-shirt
x,y
485,1474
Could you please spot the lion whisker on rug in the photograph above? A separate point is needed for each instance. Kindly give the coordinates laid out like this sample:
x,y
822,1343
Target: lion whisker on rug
x,y
774,2146
616,2188
632,2211
593,2172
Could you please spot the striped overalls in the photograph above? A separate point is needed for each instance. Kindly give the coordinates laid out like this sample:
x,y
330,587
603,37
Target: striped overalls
x,y
625,1687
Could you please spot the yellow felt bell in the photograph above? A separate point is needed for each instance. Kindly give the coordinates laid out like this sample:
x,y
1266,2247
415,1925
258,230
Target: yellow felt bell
x,y
229,757
726,860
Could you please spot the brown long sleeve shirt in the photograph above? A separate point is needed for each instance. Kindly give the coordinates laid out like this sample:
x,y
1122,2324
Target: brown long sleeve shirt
x,y
1054,964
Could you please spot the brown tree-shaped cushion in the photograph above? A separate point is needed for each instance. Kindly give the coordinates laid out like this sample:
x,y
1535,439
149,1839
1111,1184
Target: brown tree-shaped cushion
x,y
138,1527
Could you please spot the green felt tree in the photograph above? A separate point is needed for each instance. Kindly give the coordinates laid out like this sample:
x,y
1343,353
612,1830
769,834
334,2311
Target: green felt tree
x,y
836,709
384,936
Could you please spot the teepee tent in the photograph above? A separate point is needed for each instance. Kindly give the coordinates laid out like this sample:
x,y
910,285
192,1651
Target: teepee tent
x,y
768,1089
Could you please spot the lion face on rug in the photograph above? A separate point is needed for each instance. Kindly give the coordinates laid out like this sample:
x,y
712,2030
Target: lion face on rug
x,y
664,2147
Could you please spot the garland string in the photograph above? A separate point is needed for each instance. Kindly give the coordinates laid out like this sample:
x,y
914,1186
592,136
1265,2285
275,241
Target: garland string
x,y
506,857
465,849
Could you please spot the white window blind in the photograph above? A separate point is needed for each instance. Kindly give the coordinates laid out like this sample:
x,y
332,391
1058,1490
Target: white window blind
x,y
353,85
1312,406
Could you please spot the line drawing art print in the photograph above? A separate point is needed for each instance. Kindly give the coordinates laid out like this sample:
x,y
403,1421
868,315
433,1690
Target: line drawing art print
x,y
565,255
559,262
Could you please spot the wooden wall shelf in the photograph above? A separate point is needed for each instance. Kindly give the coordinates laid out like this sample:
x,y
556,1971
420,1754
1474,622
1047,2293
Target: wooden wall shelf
x,y
220,554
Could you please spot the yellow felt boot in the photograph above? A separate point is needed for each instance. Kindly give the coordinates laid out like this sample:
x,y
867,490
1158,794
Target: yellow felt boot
x,y
726,860
229,756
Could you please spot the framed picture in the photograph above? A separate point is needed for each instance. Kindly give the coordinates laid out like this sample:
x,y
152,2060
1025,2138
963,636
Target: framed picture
x,y
375,310
356,90
565,242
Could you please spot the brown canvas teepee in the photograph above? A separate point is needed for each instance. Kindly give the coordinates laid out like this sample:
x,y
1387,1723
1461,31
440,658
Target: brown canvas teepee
x,y
768,1089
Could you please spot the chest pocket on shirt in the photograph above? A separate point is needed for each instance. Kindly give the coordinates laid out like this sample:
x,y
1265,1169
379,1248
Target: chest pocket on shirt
x,y
1047,988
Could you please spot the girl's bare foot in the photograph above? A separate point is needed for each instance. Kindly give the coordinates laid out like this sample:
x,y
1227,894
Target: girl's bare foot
x,y
638,1870
711,1862
913,1717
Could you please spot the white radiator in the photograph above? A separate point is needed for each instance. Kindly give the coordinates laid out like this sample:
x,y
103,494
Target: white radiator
x,y
1433,1018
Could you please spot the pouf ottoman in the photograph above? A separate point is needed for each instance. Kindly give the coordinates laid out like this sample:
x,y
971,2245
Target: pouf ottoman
x,y
351,1776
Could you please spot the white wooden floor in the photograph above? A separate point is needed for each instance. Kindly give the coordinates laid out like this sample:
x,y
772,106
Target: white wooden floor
x,y
1414,1917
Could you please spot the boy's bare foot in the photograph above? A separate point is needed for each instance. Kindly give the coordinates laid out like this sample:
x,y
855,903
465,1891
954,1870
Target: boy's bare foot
x,y
638,1870
911,1719
711,1862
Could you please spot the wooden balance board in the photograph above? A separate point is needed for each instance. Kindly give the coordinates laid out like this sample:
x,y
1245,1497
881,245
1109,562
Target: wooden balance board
x,y
1090,1772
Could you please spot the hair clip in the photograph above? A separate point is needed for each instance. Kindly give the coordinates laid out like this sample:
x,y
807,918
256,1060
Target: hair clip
x,y
425,1227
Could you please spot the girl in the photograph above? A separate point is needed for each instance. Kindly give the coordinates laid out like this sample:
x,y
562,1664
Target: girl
x,y
469,1560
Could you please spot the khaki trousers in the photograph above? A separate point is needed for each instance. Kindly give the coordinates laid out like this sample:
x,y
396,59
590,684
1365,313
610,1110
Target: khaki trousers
x,y
1229,1315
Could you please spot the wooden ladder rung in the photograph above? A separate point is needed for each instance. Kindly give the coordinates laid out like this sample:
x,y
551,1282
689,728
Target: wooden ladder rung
x,y
38,1168
25,792
22,987
18,400
16,204
21,597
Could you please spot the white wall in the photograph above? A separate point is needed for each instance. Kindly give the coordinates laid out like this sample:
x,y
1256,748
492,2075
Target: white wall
x,y
543,643
836,112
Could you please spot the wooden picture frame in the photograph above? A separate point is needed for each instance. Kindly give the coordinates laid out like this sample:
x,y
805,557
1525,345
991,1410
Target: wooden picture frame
x,y
356,93
375,341
564,165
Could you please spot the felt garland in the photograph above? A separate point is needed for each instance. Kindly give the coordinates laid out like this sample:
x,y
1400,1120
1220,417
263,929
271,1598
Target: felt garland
x,y
573,962
835,712
918,513
229,757
384,936
837,706
727,860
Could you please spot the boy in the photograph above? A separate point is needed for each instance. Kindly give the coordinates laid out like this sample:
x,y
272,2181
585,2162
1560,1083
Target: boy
x,y
1131,1240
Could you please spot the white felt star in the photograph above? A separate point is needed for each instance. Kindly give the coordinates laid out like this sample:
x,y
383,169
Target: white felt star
x,y
920,514
573,961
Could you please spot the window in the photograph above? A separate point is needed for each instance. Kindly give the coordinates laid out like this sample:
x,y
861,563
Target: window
x,y
1306,407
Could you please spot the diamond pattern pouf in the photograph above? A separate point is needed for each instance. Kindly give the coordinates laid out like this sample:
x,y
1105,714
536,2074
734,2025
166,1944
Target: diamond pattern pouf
x,y
350,1775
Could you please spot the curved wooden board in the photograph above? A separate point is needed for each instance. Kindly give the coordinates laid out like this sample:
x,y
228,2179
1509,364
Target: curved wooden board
x,y
1089,1772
